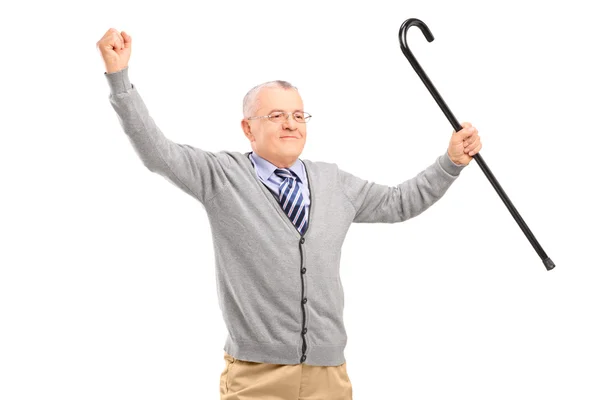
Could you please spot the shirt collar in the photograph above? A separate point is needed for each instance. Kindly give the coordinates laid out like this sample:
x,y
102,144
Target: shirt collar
x,y
265,169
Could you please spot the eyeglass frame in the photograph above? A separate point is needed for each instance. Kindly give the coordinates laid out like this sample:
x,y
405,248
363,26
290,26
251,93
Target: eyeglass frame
x,y
288,113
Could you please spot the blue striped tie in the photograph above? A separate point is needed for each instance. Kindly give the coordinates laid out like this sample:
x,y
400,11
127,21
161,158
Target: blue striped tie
x,y
292,200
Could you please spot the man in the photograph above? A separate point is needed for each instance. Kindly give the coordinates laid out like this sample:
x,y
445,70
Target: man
x,y
278,225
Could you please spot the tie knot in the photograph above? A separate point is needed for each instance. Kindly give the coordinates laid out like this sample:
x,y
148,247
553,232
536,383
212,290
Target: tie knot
x,y
285,173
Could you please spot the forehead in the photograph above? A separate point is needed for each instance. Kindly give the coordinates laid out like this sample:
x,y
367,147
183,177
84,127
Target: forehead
x,y
279,98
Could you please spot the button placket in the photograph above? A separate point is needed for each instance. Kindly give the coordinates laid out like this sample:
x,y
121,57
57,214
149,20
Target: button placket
x,y
303,302
285,218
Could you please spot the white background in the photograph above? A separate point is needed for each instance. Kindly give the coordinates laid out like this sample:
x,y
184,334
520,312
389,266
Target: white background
x,y
107,282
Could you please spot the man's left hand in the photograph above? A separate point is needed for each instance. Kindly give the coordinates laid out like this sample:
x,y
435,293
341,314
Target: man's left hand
x,y
464,144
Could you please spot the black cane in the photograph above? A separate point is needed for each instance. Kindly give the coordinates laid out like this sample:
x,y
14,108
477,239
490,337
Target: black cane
x,y
457,127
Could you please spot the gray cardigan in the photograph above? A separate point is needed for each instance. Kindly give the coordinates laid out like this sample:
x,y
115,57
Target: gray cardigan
x,y
279,292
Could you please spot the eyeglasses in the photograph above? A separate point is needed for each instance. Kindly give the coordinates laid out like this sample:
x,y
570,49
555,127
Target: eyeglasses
x,y
280,116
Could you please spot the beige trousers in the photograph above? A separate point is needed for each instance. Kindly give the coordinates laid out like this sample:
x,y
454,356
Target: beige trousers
x,y
246,380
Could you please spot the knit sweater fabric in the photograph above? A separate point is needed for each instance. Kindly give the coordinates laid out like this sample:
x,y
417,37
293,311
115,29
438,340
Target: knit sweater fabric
x,y
279,292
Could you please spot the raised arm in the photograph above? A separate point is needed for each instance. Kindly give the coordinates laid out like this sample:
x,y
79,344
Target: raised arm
x,y
199,173
380,203
374,202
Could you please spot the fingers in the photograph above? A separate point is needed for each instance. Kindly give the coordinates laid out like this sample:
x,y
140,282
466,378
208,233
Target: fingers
x,y
471,138
113,38
474,147
472,144
464,125
118,40
467,131
115,48
126,40
468,136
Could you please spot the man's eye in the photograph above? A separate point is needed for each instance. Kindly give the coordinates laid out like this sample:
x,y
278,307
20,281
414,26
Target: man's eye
x,y
276,115
299,116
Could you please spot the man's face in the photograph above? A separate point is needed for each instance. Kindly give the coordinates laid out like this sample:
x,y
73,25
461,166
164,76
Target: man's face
x,y
279,143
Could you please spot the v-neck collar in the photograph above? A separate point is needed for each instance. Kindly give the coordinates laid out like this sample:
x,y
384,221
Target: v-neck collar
x,y
265,169
275,201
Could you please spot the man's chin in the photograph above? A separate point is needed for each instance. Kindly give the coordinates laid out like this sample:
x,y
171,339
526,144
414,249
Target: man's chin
x,y
291,154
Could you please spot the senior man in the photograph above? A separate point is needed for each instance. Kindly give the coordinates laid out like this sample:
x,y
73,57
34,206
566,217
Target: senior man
x,y
278,224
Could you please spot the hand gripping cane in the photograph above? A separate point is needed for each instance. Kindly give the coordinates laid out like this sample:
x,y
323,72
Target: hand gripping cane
x,y
457,127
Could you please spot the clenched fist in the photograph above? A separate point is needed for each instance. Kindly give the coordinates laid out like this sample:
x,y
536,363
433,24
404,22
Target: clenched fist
x,y
115,48
464,144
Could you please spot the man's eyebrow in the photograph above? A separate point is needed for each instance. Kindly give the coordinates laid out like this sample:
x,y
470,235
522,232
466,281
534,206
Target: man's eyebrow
x,y
283,111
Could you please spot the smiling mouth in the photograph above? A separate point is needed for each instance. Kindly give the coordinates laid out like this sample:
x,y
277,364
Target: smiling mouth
x,y
289,137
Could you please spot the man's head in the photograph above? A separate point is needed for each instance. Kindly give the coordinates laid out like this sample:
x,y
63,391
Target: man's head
x,y
278,142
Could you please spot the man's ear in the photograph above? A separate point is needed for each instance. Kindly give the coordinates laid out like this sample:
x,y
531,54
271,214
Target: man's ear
x,y
247,130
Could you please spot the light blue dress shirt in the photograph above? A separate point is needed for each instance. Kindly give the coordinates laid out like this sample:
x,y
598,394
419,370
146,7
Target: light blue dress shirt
x,y
265,172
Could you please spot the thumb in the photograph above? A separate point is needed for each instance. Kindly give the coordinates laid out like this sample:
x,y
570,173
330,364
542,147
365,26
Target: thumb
x,y
464,125
126,40
466,131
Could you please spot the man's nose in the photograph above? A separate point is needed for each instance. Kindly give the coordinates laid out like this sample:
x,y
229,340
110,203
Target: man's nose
x,y
290,123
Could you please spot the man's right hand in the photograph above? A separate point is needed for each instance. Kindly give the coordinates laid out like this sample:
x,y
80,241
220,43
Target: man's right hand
x,y
115,48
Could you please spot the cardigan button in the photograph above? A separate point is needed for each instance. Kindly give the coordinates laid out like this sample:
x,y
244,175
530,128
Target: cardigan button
x,y
303,358
303,270
302,240
304,331
304,300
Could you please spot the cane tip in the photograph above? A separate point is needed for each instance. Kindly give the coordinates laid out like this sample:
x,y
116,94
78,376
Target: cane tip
x,y
549,264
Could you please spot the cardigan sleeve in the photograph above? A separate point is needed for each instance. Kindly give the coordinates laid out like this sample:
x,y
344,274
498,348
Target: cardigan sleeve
x,y
374,202
198,172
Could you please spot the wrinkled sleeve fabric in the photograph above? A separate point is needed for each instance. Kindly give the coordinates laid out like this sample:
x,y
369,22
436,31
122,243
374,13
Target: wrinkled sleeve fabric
x,y
374,202
200,173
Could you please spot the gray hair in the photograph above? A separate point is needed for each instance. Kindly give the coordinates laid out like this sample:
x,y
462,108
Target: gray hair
x,y
250,104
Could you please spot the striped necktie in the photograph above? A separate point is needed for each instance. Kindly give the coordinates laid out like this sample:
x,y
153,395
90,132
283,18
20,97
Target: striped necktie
x,y
291,199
